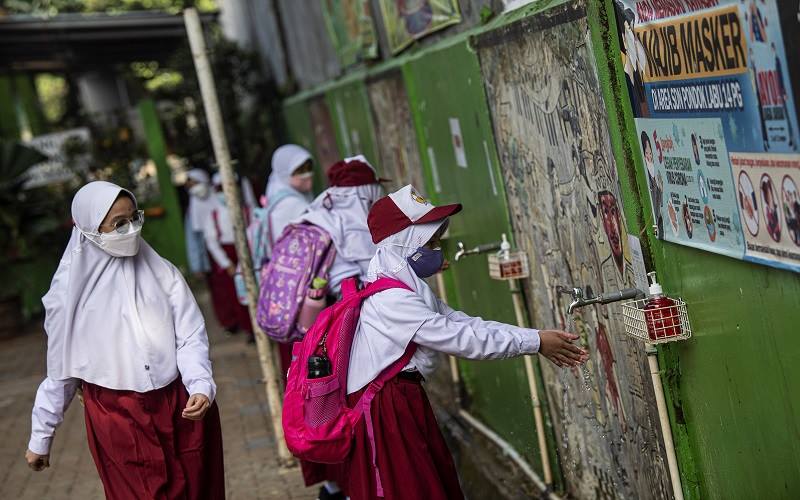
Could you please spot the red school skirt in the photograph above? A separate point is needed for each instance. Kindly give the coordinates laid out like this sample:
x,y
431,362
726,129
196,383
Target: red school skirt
x,y
412,456
229,312
144,449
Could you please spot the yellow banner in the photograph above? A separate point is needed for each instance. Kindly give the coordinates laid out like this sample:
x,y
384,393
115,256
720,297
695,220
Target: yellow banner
x,y
711,43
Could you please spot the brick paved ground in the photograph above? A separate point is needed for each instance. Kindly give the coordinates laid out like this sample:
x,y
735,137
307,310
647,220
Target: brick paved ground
x,y
251,470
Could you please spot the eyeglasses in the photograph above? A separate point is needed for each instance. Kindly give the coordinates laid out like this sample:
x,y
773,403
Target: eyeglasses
x,y
121,225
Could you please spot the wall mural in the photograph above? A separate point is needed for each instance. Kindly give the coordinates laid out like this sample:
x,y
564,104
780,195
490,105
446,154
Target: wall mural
x,y
398,151
564,198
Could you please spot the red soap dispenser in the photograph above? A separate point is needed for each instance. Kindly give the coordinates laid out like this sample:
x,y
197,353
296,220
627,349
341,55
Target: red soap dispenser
x,y
663,318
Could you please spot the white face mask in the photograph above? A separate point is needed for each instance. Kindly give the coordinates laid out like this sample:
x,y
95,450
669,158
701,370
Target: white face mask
x,y
116,244
199,190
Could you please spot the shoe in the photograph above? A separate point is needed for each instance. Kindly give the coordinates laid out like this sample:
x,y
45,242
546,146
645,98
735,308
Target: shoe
x,y
324,494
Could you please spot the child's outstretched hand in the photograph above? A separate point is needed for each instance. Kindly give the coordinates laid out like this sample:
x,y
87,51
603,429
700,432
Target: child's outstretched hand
x,y
557,346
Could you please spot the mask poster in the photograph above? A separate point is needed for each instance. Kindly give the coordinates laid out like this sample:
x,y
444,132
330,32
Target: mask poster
x,y
409,20
710,81
351,29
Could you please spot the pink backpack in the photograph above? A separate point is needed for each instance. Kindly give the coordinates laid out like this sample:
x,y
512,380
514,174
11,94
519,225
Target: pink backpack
x,y
317,422
303,252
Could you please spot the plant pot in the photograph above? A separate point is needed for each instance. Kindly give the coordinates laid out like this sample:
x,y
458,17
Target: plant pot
x,y
11,319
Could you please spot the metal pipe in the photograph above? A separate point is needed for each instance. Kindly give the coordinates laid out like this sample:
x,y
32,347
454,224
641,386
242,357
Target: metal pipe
x,y
197,43
533,388
663,417
510,452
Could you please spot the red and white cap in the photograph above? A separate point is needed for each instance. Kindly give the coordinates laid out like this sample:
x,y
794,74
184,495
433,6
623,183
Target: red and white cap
x,y
391,214
354,171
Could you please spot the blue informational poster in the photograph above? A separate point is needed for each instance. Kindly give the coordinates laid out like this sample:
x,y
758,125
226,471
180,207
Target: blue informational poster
x,y
710,77
690,182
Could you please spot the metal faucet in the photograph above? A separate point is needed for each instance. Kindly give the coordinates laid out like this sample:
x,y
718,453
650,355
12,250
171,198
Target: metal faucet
x,y
486,247
578,299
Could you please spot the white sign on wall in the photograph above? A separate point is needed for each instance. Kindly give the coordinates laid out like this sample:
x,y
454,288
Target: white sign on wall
x,y
54,169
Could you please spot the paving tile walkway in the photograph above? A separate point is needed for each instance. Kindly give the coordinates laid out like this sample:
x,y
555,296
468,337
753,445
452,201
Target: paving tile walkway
x,y
251,470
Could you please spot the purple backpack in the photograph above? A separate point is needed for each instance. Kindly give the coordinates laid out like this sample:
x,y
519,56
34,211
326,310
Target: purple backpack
x,y
303,252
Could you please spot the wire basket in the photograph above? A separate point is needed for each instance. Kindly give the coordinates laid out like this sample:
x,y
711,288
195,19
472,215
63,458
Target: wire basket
x,y
658,325
509,265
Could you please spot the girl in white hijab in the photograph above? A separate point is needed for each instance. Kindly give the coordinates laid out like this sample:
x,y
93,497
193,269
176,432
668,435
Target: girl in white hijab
x,y
122,323
342,210
409,448
201,204
289,186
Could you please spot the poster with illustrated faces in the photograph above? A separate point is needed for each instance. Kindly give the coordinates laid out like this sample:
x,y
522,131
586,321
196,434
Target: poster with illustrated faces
x,y
690,182
768,195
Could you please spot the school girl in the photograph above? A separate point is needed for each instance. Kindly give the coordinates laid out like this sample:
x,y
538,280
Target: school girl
x,y
341,210
122,324
219,238
201,204
289,187
411,455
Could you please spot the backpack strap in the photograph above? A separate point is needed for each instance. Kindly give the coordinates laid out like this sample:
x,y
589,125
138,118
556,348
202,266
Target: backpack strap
x,y
215,216
271,204
349,287
365,401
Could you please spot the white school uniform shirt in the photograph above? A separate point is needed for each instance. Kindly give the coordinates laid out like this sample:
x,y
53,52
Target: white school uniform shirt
x,y
342,213
124,323
218,231
392,319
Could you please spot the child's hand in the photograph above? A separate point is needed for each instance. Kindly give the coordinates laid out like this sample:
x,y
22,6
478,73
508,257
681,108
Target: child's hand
x,y
557,346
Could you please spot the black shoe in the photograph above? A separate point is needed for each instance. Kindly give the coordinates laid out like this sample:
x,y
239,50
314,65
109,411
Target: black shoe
x,y
325,495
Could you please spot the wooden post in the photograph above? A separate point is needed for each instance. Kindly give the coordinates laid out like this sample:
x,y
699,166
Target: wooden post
x,y
197,44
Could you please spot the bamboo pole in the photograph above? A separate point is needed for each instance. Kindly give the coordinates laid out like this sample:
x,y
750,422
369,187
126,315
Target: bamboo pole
x,y
197,44
519,311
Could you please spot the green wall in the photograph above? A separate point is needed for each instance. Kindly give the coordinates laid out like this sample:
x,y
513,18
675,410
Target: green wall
x,y
299,130
165,234
733,389
352,120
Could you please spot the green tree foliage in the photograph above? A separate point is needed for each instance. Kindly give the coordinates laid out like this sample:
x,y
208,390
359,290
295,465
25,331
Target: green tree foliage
x,y
55,7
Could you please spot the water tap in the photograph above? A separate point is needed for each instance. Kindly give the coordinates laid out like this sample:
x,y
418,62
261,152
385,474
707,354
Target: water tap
x,y
579,300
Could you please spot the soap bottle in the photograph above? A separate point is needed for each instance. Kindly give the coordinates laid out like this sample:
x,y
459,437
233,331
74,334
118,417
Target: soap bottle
x,y
661,314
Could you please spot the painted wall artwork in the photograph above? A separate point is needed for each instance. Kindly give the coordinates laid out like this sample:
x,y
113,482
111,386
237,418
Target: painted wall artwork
x,y
409,20
724,64
564,199
397,149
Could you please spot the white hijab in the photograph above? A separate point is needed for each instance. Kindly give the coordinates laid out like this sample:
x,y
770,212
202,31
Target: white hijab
x,y
200,208
285,160
96,301
378,342
390,259
342,212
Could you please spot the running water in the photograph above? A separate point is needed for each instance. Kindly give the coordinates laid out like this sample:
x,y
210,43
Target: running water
x,y
587,377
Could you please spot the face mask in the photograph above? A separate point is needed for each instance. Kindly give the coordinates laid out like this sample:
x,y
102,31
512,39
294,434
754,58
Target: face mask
x,y
116,244
221,198
426,262
199,190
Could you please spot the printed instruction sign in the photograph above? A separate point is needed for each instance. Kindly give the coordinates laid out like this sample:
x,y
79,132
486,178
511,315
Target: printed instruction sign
x,y
708,79
689,177
769,204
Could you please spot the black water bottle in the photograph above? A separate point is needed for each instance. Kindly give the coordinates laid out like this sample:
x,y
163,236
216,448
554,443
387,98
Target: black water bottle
x,y
319,366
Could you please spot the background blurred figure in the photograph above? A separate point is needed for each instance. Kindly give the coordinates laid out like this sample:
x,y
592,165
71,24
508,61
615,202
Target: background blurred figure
x,y
219,238
201,204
